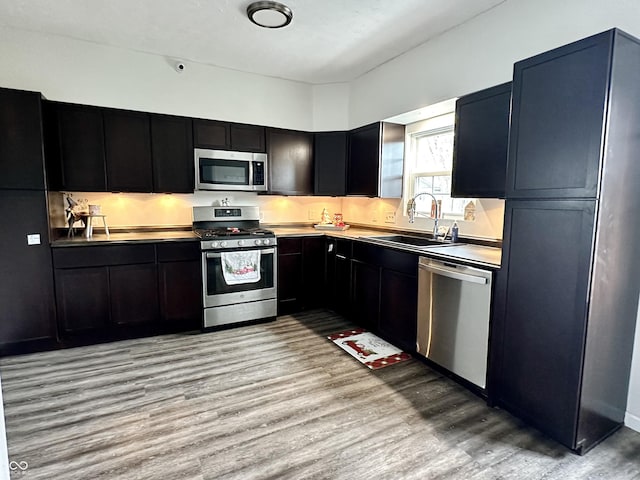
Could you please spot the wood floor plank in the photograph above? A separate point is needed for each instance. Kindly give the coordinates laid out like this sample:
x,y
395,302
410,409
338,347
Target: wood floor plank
x,y
275,400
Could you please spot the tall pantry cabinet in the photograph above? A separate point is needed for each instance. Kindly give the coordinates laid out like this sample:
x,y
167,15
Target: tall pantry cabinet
x,y
565,322
26,283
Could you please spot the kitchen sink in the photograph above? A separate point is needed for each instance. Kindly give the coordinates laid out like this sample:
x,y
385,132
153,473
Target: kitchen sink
x,y
407,240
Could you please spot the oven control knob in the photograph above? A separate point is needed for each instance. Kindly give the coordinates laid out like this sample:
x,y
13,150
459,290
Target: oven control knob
x,y
266,241
240,243
258,241
223,244
215,244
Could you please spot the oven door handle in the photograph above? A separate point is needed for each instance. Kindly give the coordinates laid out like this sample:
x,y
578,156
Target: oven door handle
x,y
266,251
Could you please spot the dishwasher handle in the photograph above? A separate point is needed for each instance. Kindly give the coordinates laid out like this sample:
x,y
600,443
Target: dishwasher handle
x,y
451,272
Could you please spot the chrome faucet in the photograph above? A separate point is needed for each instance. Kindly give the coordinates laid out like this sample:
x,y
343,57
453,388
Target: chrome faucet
x,y
411,211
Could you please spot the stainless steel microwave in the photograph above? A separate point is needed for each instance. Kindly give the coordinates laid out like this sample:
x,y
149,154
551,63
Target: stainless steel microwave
x,y
226,170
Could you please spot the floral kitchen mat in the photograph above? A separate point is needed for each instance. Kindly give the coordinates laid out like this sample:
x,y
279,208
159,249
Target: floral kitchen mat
x,y
368,349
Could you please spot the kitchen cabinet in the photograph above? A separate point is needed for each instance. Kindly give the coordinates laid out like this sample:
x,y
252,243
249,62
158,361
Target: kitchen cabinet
x,y
21,159
127,137
247,138
564,328
74,141
480,143
172,153
330,160
375,162
300,273
338,274
290,156
218,135
180,285
101,288
559,111
27,314
385,292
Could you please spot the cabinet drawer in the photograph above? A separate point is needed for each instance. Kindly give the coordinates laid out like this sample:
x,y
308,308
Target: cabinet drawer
x,y
73,257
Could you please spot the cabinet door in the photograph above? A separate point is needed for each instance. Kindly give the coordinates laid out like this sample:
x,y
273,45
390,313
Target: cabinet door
x,y
82,298
330,159
363,161
247,138
398,308
313,271
289,275
128,151
211,134
480,145
26,282
21,160
558,117
180,288
81,145
172,152
134,294
290,155
342,294
365,294
547,259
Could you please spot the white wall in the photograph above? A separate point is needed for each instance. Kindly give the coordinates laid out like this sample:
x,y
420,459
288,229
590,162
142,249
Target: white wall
x,y
481,53
81,72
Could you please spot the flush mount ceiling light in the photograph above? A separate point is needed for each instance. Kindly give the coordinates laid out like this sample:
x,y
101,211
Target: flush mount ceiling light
x,y
269,14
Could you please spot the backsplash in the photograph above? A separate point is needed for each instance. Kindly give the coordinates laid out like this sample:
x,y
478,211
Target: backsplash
x,y
126,210
159,210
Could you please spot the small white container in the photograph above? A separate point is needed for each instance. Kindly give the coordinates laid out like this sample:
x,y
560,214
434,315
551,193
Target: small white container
x,y
94,209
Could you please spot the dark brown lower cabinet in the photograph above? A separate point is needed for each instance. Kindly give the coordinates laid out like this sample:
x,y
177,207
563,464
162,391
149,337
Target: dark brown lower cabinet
x,y
300,273
120,290
27,316
180,285
385,292
398,308
134,294
365,294
82,297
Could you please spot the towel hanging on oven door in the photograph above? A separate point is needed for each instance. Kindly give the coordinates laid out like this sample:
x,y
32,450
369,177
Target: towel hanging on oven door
x,y
240,267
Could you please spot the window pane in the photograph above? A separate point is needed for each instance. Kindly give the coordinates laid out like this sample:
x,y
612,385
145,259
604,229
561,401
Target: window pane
x,y
442,184
434,153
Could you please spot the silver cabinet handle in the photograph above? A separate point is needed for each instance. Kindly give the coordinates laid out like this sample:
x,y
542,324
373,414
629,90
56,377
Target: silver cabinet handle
x,y
451,273
342,257
217,254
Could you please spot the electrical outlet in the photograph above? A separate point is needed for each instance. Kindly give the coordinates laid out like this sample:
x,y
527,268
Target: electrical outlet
x,y
314,215
390,217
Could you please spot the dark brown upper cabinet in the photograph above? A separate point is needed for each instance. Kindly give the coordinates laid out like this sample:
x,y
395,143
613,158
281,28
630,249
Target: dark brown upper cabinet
x,y
21,159
330,159
127,137
172,153
247,138
480,143
290,157
560,104
74,140
376,160
228,136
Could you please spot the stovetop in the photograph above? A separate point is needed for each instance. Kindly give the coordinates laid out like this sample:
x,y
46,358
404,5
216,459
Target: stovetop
x,y
236,233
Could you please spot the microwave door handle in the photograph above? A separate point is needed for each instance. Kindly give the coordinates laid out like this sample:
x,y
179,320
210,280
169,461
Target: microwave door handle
x,y
266,251
250,179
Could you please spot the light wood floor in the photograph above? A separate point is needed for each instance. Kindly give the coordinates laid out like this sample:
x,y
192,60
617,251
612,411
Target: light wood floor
x,y
269,401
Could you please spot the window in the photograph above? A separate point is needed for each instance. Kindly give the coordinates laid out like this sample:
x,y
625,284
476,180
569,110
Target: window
x,y
430,156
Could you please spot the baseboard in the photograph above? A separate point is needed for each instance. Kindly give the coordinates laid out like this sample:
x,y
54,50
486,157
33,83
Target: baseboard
x,y
632,421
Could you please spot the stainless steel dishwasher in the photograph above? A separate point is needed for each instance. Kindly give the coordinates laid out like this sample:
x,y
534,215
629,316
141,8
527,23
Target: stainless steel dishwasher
x,y
454,302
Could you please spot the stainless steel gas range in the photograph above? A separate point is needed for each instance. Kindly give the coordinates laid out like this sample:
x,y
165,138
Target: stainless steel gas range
x,y
239,265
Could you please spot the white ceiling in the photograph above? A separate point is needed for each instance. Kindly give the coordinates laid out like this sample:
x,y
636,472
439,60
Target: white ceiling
x,y
328,40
